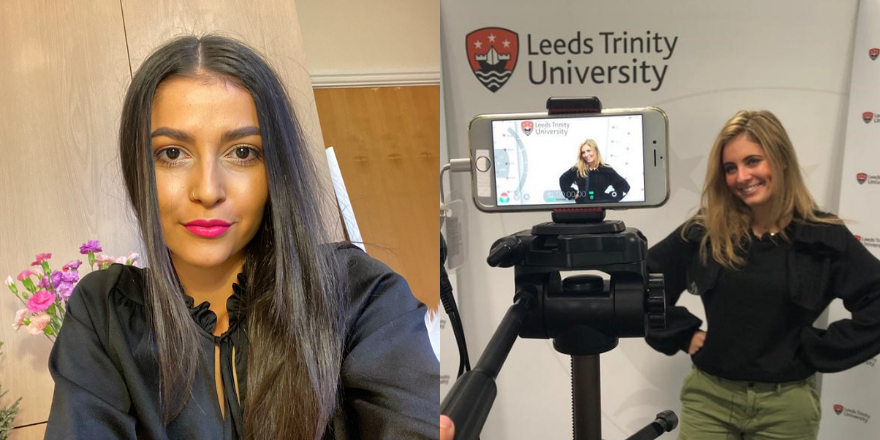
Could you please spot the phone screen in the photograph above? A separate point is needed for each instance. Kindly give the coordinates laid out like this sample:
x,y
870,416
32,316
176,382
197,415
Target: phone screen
x,y
569,160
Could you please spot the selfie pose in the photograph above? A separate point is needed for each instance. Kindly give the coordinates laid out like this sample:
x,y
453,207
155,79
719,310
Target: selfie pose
x,y
590,179
248,323
766,263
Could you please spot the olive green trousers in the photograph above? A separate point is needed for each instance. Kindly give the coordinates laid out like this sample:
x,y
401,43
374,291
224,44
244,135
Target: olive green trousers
x,y
713,408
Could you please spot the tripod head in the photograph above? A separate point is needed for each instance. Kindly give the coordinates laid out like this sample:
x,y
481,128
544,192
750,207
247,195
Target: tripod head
x,y
582,314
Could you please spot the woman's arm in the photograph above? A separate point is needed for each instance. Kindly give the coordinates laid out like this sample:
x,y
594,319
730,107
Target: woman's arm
x,y
671,257
390,375
566,180
91,399
621,186
855,278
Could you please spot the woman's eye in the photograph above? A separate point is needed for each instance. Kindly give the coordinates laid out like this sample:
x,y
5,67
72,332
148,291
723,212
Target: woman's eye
x,y
244,154
171,153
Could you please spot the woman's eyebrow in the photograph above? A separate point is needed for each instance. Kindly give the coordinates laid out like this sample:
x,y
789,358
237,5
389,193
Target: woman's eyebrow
x,y
178,135
239,133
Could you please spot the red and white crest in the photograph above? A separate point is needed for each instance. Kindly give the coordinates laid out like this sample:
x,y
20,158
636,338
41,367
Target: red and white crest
x,y
861,178
492,54
527,127
867,117
873,53
838,408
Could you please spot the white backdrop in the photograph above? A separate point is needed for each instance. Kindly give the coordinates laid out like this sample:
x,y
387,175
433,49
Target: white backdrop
x,y
790,57
849,399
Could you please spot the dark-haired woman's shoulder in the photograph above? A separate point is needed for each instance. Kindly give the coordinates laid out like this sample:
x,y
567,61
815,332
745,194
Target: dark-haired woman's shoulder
x,y
390,373
98,289
105,316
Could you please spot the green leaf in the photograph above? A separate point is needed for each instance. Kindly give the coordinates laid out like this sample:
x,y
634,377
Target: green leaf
x,y
29,285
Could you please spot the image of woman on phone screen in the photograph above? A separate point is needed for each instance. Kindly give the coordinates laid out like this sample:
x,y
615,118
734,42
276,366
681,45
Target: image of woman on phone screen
x,y
590,179
249,323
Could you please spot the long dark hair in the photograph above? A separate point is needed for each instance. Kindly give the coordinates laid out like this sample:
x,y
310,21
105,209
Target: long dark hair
x,y
294,306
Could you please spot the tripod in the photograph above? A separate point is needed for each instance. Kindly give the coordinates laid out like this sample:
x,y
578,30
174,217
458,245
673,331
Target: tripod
x,y
581,315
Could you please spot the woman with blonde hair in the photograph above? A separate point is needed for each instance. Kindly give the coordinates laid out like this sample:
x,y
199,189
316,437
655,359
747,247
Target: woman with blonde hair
x,y
595,180
766,263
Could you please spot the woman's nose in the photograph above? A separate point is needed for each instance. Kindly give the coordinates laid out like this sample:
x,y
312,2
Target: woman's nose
x,y
207,183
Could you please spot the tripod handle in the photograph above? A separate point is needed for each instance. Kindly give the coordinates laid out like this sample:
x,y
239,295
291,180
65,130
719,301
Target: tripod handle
x,y
471,397
666,421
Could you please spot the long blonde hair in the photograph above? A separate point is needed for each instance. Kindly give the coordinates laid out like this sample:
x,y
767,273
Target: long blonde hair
x,y
726,219
582,166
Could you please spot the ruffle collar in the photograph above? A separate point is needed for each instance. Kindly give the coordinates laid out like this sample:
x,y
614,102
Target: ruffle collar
x,y
235,305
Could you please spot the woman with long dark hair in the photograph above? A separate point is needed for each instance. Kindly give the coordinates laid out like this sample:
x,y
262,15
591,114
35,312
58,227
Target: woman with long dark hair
x,y
248,323
766,263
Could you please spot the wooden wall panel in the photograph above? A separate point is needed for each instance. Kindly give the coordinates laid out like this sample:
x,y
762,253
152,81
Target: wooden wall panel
x,y
387,143
271,27
62,78
35,432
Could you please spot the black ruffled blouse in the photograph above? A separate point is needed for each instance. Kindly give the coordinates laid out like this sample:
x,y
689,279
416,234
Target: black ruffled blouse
x,y
107,381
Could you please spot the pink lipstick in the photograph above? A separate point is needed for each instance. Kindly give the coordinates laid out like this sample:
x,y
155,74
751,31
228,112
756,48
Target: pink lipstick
x,y
207,228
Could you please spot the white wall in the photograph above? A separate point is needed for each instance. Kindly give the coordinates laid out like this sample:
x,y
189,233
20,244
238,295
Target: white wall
x,y
371,41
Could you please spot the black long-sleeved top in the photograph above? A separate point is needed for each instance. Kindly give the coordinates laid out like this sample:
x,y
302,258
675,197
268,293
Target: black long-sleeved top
x,y
106,373
592,188
760,316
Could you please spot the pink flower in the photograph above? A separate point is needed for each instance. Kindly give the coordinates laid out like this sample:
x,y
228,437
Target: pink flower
x,y
25,274
72,265
132,258
40,301
41,258
38,323
9,281
120,260
19,318
104,259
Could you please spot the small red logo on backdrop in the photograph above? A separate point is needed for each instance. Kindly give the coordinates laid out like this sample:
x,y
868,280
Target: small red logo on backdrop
x,y
873,53
838,408
527,127
861,178
867,117
858,237
492,54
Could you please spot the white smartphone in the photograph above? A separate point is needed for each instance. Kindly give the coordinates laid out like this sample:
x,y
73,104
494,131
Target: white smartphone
x,y
616,159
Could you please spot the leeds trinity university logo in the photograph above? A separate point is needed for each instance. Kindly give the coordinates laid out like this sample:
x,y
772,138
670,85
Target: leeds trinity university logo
x,y
861,178
867,117
527,127
838,408
873,53
492,54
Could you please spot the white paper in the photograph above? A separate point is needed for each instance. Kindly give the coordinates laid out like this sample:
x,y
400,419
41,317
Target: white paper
x,y
354,234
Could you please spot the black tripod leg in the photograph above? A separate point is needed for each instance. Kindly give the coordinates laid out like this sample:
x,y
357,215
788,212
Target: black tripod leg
x,y
586,397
